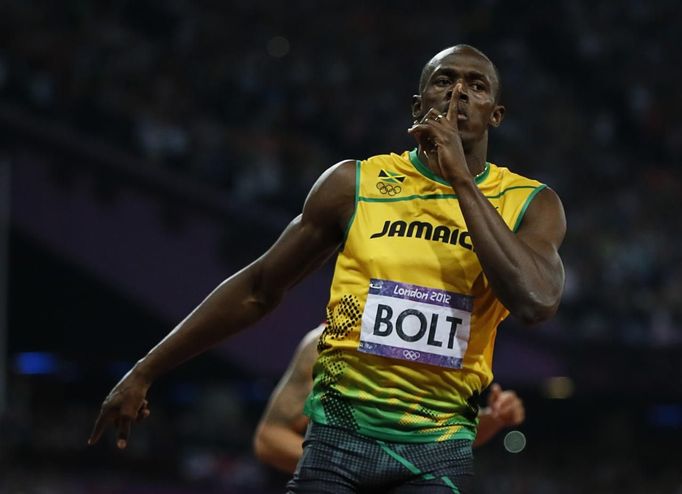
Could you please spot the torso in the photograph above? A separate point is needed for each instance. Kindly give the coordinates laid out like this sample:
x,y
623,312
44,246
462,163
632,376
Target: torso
x,y
411,318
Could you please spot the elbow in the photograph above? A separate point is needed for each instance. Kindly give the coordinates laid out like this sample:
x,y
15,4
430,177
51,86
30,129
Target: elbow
x,y
534,303
533,317
534,312
262,295
264,301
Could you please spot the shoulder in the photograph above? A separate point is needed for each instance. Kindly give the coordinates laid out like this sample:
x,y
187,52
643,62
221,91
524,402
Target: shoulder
x,y
390,160
505,177
334,193
541,211
342,174
347,171
545,217
331,200
547,203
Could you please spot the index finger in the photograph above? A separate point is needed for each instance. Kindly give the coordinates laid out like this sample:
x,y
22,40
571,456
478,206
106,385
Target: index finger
x,y
123,433
102,422
454,99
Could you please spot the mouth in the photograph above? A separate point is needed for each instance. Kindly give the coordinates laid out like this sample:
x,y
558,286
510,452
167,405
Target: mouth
x,y
461,114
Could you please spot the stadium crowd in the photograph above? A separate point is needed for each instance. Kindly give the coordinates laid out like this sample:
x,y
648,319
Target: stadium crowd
x,y
249,98
257,98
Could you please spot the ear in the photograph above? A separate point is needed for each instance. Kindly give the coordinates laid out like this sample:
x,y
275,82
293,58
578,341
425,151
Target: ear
x,y
497,116
416,106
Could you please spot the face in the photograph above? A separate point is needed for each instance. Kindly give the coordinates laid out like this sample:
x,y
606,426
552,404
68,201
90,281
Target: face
x,y
477,108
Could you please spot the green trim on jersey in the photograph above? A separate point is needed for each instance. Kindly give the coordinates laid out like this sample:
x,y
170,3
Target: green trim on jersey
x,y
444,196
408,198
525,206
355,206
480,178
426,171
466,429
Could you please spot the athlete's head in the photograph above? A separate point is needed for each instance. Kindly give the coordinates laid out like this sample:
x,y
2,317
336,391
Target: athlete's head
x,y
479,105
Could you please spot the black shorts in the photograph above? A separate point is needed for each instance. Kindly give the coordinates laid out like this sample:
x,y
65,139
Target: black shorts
x,y
339,461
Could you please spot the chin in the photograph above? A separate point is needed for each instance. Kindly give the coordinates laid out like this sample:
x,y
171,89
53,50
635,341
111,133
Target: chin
x,y
470,138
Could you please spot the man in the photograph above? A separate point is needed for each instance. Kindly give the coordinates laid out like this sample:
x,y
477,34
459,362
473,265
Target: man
x,y
279,437
435,248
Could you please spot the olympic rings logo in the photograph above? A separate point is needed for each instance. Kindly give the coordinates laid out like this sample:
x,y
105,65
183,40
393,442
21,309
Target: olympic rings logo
x,y
389,189
411,355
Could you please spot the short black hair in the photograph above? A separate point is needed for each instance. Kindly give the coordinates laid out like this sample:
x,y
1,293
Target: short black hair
x,y
428,68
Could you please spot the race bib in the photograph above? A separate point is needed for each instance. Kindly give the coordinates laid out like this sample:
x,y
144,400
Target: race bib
x,y
416,323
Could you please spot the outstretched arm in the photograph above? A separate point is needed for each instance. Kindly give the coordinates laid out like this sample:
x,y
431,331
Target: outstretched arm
x,y
242,299
279,435
505,409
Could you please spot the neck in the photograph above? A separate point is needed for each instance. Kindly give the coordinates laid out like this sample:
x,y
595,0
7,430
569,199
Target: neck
x,y
475,155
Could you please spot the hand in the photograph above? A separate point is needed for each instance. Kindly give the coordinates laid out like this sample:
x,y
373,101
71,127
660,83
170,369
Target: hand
x,y
438,136
505,406
125,404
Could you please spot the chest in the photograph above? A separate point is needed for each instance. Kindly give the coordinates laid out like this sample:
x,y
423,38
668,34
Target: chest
x,y
423,241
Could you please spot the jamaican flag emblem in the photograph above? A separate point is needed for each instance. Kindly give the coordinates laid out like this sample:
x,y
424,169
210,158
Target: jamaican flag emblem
x,y
391,177
389,182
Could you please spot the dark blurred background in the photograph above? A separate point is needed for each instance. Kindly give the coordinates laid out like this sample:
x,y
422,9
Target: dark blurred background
x,y
150,148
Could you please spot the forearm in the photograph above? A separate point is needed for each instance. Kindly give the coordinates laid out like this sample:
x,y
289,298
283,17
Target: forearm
x,y
278,446
519,277
310,239
243,298
233,305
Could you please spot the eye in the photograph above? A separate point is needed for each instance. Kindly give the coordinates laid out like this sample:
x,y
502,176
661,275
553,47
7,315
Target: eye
x,y
442,81
478,86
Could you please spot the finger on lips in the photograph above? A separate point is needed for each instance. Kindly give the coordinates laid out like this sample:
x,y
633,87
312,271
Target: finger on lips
x,y
452,107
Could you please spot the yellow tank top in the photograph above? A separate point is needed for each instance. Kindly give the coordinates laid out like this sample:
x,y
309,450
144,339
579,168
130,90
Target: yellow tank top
x,y
411,320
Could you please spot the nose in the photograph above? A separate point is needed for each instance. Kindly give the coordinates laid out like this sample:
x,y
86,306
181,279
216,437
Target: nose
x,y
464,95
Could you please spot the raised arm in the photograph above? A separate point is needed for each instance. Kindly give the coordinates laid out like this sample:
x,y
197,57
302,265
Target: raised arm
x,y
308,241
279,435
524,268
